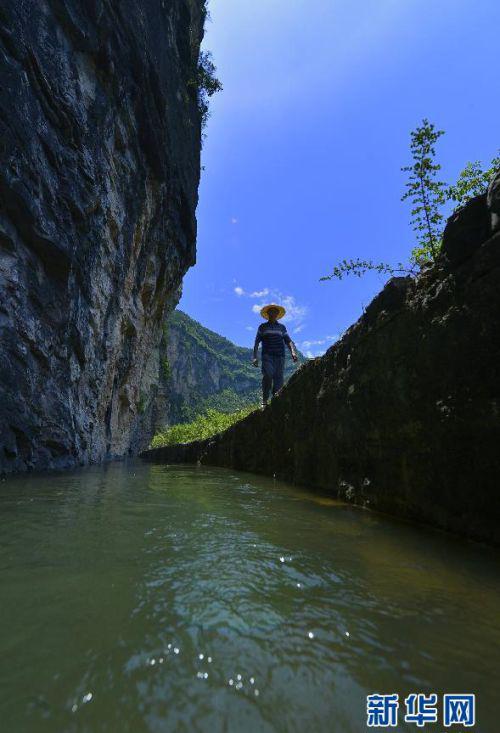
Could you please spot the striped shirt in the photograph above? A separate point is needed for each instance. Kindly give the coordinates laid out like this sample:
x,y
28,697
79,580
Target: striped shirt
x,y
273,337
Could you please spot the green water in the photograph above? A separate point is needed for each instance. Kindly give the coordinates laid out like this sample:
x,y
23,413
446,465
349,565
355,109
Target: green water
x,y
133,594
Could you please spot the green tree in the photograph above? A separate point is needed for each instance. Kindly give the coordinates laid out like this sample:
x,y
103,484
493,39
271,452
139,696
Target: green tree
x,y
426,193
207,84
428,196
472,181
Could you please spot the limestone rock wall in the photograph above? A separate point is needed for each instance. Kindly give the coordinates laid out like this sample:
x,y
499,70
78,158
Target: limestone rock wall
x,y
100,144
402,414
194,370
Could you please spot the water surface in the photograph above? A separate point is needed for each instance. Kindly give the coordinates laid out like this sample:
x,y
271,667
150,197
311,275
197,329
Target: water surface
x,y
139,597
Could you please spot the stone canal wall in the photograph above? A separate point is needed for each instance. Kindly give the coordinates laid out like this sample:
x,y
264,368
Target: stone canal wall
x,y
402,414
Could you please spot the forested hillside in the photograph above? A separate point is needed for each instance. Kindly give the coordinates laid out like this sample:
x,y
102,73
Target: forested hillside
x,y
201,369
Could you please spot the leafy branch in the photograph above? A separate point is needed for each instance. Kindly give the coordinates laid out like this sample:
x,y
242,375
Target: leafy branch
x,y
472,181
428,195
360,267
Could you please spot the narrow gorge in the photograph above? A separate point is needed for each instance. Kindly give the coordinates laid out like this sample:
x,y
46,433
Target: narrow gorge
x,y
200,369
402,414
324,559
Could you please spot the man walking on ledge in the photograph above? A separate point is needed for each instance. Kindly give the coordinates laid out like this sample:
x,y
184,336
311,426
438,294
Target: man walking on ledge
x,y
274,336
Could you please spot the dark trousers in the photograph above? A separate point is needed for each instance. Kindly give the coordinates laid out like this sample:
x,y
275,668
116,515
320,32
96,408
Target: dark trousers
x,y
273,366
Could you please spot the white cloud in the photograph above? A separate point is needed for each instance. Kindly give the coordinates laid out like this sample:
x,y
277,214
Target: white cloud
x,y
317,347
259,293
254,294
295,313
313,342
314,354
250,328
234,220
317,342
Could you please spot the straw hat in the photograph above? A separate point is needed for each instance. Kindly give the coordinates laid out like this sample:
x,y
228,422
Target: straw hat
x,y
264,310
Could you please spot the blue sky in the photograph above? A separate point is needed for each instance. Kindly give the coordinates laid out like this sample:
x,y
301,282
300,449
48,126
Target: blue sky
x,y
305,144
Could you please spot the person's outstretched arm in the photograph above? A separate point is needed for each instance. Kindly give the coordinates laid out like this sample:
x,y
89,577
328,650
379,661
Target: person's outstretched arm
x,y
291,345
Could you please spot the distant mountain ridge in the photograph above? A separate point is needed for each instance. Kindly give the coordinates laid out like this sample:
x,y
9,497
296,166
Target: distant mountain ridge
x,y
201,369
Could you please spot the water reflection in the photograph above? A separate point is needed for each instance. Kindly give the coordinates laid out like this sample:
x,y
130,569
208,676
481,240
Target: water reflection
x,y
149,598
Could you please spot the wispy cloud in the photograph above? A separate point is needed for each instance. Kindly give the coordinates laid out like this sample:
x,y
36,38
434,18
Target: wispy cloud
x,y
312,342
253,294
295,312
234,220
310,346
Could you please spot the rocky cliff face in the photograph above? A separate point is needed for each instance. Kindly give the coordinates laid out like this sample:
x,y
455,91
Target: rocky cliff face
x,y
201,369
99,173
403,414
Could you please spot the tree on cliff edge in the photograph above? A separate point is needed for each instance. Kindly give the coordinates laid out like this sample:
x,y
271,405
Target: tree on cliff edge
x,y
428,196
426,193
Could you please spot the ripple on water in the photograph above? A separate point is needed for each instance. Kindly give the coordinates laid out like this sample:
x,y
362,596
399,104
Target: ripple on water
x,y
191,599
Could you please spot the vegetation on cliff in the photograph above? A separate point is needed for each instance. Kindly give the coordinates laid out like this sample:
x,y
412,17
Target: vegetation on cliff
x,y
429,197
207,84
203,426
